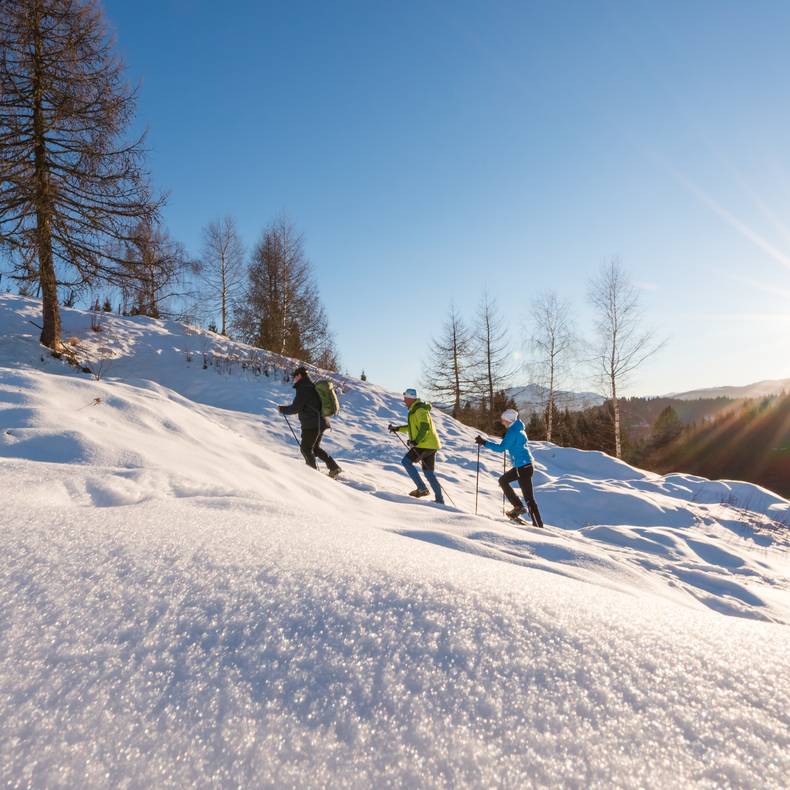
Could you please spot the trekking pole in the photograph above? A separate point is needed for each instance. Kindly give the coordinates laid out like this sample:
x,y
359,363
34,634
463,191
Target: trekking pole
x,y
477,477
292,430
444,493
504,471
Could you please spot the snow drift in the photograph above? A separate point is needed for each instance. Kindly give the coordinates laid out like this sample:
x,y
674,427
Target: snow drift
x,y
184,603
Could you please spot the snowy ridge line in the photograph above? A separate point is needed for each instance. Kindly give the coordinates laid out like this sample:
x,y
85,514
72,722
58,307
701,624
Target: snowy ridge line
x,y
214,351
184,603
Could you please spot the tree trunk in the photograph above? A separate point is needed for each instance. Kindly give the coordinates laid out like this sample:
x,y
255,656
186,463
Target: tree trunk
x,y
489,372
456,372
618,450
224,288
550,418
50,330
284,324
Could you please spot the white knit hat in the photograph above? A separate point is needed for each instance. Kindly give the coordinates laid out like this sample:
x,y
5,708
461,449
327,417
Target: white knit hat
x,y
509,415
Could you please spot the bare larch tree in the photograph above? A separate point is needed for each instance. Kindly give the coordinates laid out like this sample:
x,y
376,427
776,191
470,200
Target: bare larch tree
x,y
281,310
156,274
494,367
621,343
552,342
222,268
447,374
70,187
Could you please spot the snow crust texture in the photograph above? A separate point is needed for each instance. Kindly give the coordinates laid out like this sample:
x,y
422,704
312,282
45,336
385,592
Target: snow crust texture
x,y
184,604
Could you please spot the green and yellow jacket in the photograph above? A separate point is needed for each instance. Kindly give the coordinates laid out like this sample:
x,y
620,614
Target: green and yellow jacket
x,y
420,427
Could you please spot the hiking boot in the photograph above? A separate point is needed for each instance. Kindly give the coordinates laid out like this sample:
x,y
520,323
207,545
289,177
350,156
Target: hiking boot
x,y
333,473
516,512
419,492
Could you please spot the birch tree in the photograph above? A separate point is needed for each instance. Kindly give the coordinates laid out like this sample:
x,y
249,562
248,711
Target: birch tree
x,y
621,342
222,268
552,343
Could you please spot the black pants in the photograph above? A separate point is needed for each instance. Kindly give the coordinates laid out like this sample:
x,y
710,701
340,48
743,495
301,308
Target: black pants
x,y
524,476
311,448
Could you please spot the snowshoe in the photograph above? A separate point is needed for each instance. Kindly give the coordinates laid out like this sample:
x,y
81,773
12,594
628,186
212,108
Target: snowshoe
x,y
419,492
516,513
333,473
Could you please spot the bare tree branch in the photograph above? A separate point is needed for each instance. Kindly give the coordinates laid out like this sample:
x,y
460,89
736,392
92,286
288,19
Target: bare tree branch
x,y
71,190
622,344
222,269
448,371
552,343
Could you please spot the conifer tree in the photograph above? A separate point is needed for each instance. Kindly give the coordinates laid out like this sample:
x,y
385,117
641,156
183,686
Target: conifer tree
x,y
448,371
666,428
281,310
493,368
71,186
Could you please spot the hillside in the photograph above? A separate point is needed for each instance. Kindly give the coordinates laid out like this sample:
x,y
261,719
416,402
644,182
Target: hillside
x,y
750,440
759,389
184,603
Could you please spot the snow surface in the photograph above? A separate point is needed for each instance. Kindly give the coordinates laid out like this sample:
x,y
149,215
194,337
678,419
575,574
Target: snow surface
x,y
184,603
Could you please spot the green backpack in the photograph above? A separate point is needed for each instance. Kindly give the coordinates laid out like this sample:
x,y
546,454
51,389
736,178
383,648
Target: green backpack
x,y
330,405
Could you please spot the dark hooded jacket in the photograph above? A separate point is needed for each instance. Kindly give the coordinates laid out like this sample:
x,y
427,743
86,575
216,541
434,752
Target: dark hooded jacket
x,y
307,405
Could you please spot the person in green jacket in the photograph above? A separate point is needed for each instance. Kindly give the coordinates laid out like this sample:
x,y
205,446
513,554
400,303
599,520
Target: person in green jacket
x,y
423,444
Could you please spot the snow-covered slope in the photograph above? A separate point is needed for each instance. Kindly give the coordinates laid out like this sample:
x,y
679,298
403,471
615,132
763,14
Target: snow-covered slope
x,y
184,603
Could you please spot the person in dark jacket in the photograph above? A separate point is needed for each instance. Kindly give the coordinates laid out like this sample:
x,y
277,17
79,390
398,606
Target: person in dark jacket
x,y
307,405
515,444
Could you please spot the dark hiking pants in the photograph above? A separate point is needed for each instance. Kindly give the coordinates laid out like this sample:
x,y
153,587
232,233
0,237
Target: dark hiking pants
x,y
524,476
311,448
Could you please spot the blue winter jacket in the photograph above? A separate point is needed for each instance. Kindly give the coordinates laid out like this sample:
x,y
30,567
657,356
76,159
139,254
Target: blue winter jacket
x,y
515,443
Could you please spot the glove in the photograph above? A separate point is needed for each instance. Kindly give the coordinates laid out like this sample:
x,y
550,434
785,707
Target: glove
x,y
282,409
411,443
392,428
480,440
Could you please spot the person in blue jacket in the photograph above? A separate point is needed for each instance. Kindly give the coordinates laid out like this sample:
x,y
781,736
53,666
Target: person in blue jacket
x,y
516,445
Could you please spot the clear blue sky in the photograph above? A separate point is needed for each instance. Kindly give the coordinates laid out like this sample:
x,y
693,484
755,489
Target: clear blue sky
x,y
428,150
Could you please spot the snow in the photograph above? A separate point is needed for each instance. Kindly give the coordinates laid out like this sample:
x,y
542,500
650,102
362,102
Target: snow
x,y
184,603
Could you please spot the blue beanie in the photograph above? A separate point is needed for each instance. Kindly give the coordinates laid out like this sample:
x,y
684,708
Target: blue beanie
x,y
410,393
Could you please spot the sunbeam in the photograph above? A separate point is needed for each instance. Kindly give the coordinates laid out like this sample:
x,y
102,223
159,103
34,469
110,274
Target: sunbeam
x,y
733,221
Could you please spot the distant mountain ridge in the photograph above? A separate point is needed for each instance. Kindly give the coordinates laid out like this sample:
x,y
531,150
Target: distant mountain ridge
x,y
760,389
533,397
